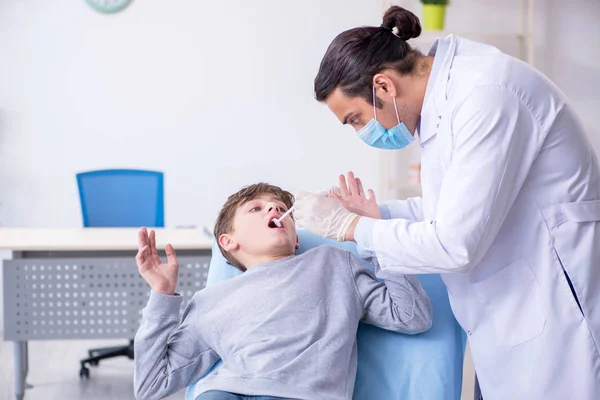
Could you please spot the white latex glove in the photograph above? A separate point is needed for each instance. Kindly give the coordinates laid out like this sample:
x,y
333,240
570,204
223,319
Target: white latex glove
x,y
322,215
331,192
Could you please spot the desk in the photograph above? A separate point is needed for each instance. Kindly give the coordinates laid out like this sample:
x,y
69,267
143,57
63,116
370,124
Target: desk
x,y
83,283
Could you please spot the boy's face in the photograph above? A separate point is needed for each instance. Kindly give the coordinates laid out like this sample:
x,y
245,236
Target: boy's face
x,y
254,236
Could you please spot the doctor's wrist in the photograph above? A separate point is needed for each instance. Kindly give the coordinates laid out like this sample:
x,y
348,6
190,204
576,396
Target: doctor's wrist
x,y
349,234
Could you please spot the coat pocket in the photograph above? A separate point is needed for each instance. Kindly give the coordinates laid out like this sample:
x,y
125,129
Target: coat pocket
x,y
575,232
512,298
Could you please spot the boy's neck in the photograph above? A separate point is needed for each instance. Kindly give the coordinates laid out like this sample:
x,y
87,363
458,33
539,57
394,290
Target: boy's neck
x,y
253,261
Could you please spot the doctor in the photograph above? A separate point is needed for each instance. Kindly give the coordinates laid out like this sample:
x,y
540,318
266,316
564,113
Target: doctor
x,y
510,206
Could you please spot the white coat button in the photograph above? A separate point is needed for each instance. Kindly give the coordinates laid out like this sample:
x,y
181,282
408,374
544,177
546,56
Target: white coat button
x,y
470,333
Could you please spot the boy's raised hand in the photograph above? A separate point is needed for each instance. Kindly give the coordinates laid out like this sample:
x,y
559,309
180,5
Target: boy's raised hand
x,y
162,278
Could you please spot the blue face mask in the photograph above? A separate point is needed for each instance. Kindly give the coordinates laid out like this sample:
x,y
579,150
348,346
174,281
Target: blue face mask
x,y
375,135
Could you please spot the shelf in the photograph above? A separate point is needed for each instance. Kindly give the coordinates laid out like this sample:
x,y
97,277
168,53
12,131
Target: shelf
x,y
512,43
436,34
428,37
402,184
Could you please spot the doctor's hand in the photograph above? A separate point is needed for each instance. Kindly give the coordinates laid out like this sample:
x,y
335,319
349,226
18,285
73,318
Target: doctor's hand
x,y
352,196
322,215
162,278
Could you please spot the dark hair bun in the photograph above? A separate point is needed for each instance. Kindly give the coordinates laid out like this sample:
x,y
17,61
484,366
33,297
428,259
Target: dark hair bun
x,y
406,23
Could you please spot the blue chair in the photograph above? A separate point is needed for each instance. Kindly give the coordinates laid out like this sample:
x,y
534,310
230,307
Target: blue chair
x,y
119,198
391,365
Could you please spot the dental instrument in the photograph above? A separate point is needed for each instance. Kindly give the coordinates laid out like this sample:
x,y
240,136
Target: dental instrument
x,y
278,221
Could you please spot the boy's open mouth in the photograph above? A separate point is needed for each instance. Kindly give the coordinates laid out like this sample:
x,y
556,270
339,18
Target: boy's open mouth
x,y
273,226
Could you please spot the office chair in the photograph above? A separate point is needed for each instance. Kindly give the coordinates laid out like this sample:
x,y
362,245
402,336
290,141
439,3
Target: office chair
x,y
119,198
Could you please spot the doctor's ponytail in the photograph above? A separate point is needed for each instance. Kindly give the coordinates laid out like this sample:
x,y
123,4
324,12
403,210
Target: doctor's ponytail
x,y
406,23
357,55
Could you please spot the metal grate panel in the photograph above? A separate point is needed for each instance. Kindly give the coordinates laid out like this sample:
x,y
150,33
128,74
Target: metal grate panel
x,y
84,298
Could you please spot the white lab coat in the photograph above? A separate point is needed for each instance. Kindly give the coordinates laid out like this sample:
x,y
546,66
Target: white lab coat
x,y
510,207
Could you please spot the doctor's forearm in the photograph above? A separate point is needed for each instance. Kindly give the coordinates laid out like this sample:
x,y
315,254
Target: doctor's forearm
x,y
412,247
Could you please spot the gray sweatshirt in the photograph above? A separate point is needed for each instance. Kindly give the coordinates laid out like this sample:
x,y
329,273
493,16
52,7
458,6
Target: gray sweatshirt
x,y
286,328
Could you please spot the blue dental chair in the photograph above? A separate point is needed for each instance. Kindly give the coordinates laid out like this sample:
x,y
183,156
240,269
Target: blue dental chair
x,y
391,366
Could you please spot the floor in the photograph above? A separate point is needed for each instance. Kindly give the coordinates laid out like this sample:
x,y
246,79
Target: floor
x,y
54,373
113,380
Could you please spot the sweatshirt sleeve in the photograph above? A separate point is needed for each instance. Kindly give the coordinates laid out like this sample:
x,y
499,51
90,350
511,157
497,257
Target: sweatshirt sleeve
x,y
397,302
169,353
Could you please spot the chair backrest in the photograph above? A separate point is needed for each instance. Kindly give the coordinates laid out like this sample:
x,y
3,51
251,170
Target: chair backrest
x,y
121,198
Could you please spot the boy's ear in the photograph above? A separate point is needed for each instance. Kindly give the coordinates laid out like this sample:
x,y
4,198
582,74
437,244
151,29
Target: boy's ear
x,y
227,243
297,242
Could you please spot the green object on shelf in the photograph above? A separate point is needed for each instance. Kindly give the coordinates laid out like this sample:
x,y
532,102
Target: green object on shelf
x,y
433,16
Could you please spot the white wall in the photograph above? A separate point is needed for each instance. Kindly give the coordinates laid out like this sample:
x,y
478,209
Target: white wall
x,y
209,91
568,51
215,94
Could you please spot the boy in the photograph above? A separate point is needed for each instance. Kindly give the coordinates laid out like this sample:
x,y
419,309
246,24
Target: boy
x,y
284,329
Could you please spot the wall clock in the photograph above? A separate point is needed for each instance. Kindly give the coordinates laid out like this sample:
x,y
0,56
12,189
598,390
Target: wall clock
x,y
108,6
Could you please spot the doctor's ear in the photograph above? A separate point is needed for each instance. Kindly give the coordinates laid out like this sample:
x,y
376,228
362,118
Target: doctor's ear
x,y
227,243
384,84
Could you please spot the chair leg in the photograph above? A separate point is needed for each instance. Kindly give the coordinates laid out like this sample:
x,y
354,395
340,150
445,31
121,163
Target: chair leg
x,y
95,355
121,351
102,350
84,371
